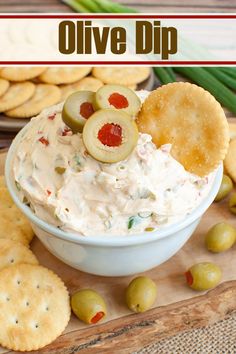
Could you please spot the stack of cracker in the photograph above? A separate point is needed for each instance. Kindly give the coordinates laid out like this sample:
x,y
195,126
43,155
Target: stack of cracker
x,y
26,91
34,302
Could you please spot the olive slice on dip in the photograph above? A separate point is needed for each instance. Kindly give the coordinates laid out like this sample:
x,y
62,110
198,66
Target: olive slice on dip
x,y
77,109
110,136
117,97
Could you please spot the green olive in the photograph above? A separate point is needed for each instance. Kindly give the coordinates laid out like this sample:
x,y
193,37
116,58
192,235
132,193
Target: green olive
x,y
220,237
88,306
117,97
232,203
60,170
110,136
203,276
149,229
77,108
225,188
141,294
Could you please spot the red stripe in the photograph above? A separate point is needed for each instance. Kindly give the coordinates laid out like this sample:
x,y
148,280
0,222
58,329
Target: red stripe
x,y
150,63
117,16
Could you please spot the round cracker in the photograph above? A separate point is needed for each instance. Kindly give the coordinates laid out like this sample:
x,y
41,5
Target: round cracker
x,y
13,224
230,160
121,75
87,84
12,253
16,95
189,118
21,73
44,96
232,130
64,75
4,85
35,307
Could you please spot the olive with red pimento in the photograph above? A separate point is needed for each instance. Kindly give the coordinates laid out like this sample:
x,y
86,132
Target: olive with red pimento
x,y
203,276
117,97
88,306
77,108
110,135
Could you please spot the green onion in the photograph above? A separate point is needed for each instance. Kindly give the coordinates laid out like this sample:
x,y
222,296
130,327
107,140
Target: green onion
x,y
75,5
229,71
18,185
91,5
203,78
171,73
132,221
145,215
98,6
109,6
163,75
223,77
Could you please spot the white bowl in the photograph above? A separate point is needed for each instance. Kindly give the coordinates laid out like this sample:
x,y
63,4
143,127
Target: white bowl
x,y
112,256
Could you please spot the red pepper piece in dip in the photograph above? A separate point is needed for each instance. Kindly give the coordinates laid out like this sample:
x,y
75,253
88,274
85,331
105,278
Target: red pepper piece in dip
x,y
44,141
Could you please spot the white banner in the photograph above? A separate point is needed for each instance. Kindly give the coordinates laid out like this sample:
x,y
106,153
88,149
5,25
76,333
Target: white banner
x,y
122,39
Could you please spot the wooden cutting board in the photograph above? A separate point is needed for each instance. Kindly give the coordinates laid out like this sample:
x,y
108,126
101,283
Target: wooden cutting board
x,y
177,307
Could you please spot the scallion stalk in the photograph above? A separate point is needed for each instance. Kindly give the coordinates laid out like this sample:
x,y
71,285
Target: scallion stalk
x,y
206,80
171,73
76,5
229,71
163,75
91,5
112,7
223,77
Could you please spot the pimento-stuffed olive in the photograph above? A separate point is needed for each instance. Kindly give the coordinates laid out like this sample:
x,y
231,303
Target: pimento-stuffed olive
x,y
77,109
117,97
110,136
88,306
203,276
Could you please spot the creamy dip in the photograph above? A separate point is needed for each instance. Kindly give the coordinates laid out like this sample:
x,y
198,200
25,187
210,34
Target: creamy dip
x,y
148,190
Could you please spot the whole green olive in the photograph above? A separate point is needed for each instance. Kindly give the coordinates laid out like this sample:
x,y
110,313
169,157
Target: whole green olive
x,y
203,276
220,237
232,203
141,294
225,188
88,306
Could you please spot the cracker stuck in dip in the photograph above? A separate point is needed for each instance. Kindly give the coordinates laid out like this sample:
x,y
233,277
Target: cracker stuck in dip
x,y
67,187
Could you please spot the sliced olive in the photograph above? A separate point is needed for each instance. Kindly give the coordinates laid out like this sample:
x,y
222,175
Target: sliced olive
x,y
77,108
117,97
225,188
110,136
220,237
60,170
232,203
203,276
141,294
88,306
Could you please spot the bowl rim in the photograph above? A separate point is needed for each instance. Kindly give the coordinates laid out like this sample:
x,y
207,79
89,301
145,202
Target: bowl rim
x,y
106,240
